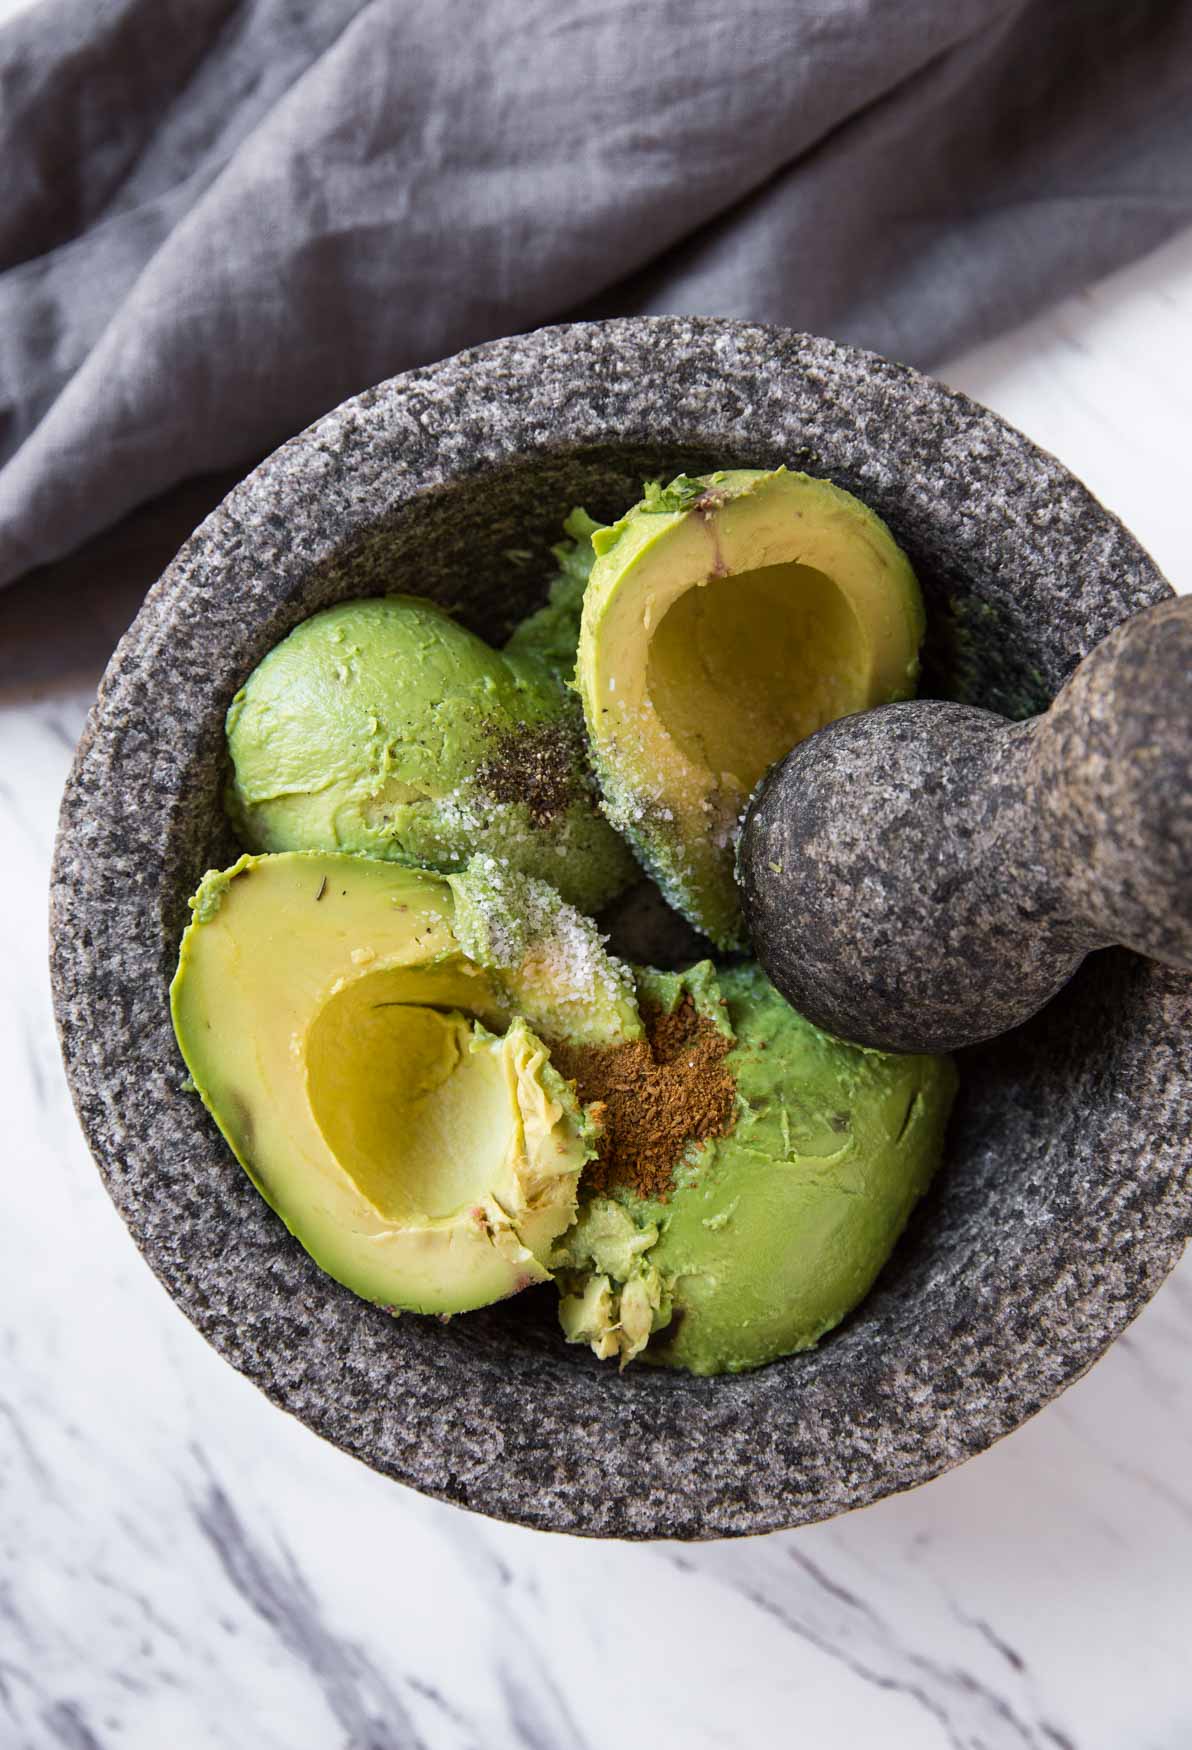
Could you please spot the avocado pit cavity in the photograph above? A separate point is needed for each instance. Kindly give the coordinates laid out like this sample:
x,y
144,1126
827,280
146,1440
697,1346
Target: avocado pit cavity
x,y
741,668
373,1080
413,1102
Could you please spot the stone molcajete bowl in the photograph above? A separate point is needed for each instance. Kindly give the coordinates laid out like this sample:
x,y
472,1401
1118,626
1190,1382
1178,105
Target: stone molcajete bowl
x,y
1065,1199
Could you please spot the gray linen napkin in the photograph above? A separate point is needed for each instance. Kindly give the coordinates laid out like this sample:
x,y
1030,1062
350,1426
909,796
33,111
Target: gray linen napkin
x,y
219,219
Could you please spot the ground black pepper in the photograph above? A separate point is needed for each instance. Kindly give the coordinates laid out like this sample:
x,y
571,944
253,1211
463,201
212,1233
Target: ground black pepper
x,y
541,765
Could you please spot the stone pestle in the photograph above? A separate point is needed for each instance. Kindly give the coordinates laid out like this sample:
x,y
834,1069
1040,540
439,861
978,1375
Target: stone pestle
x,y
926,875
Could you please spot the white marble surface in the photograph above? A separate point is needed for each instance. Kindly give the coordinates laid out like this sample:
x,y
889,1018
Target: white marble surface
x,y
184,1566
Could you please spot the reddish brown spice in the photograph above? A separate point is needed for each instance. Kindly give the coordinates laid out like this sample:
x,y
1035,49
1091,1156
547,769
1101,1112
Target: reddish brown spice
x,y
654,1096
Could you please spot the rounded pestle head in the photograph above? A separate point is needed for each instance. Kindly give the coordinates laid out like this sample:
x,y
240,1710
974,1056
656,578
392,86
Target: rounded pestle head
x,y
927,875
893,884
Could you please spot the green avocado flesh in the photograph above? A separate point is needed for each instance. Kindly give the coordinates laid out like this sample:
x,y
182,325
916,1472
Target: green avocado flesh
x,y
546,959
775,1231
726,618
552,633
383,727
370,1078
368,1002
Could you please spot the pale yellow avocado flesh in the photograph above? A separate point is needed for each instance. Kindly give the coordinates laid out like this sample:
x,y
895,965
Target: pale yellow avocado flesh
x,y
716,637
342,1042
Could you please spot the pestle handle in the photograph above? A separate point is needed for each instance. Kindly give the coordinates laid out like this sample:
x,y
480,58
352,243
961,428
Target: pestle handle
x,y
1110,774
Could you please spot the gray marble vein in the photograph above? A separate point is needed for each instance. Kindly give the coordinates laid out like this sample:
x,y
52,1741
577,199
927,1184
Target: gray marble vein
x,y
67,1726
840,1623
359,1697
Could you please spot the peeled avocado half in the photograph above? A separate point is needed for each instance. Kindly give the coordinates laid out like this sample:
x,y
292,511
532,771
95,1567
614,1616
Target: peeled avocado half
x,y
728,617
372,1078
371,1041
382,726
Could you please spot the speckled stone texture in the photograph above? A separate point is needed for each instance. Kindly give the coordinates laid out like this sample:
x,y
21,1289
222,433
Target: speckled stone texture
x,y
1065,1199
893,882
926,875
1111,778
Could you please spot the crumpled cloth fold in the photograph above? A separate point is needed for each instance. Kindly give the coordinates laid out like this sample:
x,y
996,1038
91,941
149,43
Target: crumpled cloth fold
x,y
222,218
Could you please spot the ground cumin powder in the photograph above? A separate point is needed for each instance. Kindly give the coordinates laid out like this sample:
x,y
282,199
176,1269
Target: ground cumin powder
x,y
657,1094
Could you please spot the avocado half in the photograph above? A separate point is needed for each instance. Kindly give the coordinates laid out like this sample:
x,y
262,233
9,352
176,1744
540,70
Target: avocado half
x,y
727,617
383,727
372,1078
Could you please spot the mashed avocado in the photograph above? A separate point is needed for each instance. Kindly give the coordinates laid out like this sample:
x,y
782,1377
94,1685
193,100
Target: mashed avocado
x,y
552,633
767,1235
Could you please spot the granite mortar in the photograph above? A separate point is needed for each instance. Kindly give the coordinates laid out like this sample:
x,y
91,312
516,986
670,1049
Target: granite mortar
x,y
1065,1199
